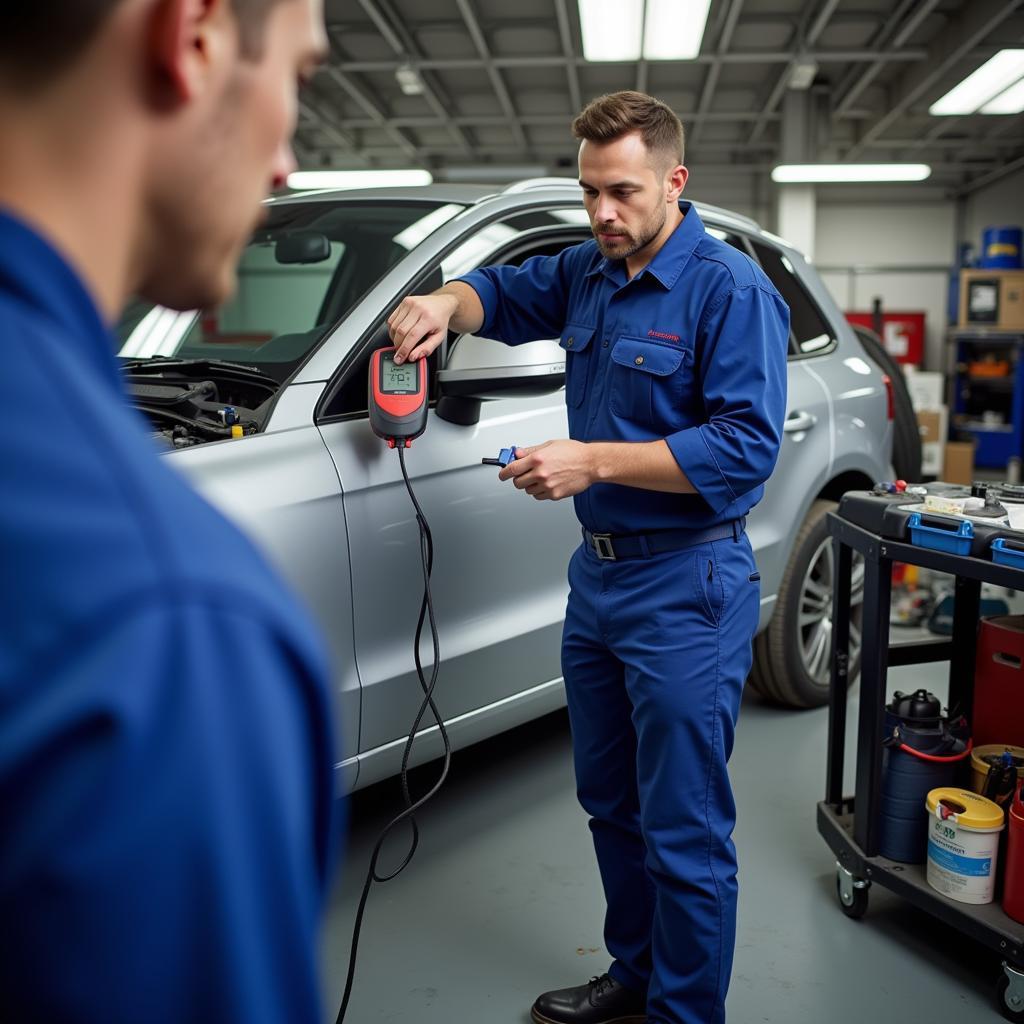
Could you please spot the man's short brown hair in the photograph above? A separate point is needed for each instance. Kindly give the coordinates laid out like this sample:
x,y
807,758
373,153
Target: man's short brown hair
x,y
617,114
39,41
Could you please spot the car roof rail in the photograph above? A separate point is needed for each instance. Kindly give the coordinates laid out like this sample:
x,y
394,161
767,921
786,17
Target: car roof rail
x,y
527,184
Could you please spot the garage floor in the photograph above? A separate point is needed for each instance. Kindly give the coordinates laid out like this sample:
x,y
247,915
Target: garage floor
x,y
503,899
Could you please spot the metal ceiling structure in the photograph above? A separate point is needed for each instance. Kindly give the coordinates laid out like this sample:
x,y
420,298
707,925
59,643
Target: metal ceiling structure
x,y
498,84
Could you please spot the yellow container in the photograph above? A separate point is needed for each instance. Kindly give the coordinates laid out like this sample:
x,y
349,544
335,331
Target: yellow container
x,y
963,844
980,762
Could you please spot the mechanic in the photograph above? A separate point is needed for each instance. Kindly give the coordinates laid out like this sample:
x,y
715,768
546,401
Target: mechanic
x,y
676,390
166,810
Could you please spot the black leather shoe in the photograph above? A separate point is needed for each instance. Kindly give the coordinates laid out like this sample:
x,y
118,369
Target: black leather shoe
x,y
601,1001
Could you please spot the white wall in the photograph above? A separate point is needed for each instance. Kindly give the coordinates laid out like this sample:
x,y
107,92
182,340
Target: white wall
x,y
900,251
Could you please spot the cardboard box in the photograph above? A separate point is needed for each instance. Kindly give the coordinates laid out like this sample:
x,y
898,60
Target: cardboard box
x,y
992,298
929,422
927,388
934,427
958,462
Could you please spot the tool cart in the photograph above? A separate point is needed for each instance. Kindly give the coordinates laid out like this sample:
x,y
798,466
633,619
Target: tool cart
x,y
850,824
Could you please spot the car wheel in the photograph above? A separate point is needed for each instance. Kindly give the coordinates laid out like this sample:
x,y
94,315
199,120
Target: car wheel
x,y
906,442
792,657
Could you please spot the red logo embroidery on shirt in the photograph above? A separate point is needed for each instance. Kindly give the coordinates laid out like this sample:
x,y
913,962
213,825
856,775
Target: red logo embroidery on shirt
x,y
663,336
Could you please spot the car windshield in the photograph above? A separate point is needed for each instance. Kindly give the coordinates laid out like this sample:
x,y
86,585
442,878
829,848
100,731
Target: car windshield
x,y
304,270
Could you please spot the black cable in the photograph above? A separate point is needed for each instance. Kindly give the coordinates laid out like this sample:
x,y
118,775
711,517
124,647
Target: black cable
x,y
411,807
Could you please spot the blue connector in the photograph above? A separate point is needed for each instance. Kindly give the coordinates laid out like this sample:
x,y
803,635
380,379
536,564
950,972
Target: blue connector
x,y
507,455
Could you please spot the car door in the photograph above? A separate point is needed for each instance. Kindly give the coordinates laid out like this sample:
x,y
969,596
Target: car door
x,y
499,572
806,454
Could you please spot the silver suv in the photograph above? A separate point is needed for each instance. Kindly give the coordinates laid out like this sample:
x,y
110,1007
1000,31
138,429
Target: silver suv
x,y
262,403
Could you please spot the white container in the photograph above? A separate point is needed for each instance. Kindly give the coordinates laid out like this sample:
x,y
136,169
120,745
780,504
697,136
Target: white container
x,y
963,844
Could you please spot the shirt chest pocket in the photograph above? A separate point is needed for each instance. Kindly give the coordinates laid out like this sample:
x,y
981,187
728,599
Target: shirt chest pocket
x,y
650,381
575,341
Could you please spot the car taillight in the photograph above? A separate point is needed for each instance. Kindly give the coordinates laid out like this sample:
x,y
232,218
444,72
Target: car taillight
x,y
890,397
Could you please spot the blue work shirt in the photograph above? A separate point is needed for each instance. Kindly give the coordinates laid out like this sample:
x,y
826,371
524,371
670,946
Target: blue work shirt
x,y
166,809
692,349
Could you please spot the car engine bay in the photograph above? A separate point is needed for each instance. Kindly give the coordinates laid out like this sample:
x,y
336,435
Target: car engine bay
x,y
195,401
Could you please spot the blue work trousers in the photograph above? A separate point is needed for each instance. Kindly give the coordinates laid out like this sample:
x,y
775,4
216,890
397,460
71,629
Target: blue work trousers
x,y
655,653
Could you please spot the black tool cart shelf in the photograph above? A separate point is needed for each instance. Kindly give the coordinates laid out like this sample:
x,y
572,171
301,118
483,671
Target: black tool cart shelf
x,y
850,824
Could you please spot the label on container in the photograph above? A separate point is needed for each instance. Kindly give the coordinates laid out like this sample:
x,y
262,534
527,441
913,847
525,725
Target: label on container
x,y
961,862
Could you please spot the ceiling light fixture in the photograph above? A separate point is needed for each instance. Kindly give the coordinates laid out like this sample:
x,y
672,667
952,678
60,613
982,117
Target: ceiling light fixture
x,y
409,80
673,29
977,89
612,29
625,30
1009,102
358,179
820,173
803,73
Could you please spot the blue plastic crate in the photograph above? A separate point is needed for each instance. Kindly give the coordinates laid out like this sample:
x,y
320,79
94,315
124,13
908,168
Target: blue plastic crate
x,y
1005,555
954,541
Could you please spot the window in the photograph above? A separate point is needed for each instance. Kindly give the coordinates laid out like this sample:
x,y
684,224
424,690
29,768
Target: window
x,y
301,274
512,240
727,236
809,330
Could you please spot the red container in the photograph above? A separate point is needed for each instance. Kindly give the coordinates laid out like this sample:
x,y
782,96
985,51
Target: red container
x,y
902,334
1013,884
999,682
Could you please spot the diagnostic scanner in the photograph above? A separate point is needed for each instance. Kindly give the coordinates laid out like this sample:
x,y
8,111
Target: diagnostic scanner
x,y
398,398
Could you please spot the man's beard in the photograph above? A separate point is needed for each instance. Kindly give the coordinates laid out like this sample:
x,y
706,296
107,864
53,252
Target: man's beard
x,y
629,245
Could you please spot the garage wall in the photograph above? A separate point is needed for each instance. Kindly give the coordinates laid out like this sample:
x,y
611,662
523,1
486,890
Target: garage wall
x,y
1002,203
896,249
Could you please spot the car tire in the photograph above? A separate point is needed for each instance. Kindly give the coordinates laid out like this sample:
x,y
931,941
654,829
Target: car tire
x,y
792,656
906,442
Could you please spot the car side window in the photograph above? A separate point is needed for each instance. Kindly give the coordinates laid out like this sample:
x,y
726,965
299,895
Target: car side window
x,y
508,241
810,330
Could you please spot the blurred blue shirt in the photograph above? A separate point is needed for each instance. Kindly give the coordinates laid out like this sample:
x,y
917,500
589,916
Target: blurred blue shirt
x,y
165,749
692,349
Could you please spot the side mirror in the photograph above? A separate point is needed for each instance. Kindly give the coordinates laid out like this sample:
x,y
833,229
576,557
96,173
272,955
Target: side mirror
x,y
303,247
482,369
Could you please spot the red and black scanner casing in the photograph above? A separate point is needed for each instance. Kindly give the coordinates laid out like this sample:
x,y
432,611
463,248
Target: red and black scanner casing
x,y
398,397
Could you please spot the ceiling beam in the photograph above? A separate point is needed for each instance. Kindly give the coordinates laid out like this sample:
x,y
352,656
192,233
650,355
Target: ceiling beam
x,y
711,79
990,177
977,21
812,23
571,72
406,49
859,56
496,120
377,115
895,30
490,65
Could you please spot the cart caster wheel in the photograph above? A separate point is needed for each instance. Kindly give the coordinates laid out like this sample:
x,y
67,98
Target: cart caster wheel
x,y
852,893
1010,993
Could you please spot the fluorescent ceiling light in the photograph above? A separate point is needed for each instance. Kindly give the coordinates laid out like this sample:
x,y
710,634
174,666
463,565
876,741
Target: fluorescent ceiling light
x,y
673,29
803,74
975,91
409,80
612,29
358,179
808,173
623,30
1009,102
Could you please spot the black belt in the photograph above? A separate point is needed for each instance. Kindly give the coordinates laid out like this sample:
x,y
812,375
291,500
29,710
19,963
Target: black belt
x,y
610,548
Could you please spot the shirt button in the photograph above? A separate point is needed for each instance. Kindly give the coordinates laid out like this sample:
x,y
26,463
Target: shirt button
x,y
568,342
639,360
605,343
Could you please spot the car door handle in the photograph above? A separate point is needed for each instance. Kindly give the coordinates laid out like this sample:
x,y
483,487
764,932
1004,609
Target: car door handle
x,y
799,420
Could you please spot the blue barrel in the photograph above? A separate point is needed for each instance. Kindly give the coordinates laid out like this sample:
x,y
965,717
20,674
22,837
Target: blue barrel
x,y
1001,248
922,752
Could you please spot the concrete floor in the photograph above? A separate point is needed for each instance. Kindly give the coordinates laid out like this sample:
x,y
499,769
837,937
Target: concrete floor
x,y
504,901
